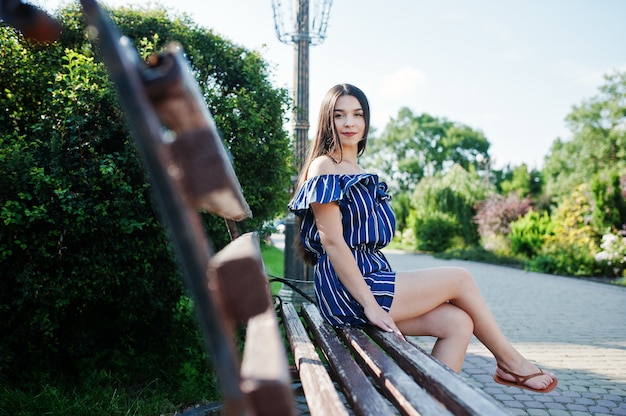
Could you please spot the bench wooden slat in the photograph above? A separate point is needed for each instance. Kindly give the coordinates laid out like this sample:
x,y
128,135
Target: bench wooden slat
x,y
240,287
442,383
358,389
321,395
265,377
237,279
200,165
400,388
200,160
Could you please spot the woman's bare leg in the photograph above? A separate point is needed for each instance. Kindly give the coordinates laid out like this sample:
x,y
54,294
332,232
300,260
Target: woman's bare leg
x,y
421,291
451,326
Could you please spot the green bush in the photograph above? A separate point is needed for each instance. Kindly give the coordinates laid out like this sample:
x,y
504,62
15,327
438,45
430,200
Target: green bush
x,y
86,267
479,254
565,261
84,260
448,200
528,233
612,257
572,243
436,232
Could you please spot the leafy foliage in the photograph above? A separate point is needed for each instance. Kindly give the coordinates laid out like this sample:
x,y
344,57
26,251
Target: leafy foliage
x,y
529,233
598,145
413,147
401,204
449,198
569,250
522,181
610,206
86,266
495,214
435,232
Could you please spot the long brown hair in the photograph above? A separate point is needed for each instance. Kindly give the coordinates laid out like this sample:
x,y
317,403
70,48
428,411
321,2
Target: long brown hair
x,y
327,139
327,142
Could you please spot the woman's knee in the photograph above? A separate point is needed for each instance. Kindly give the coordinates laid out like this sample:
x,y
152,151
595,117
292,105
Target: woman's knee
x,y
465,279
465,323
458,323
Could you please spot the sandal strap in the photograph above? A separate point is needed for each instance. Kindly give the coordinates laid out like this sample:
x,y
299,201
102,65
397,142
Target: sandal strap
x,y
518,378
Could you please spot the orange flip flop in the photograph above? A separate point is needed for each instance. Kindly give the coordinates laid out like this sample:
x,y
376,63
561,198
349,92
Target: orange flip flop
x,y
520,380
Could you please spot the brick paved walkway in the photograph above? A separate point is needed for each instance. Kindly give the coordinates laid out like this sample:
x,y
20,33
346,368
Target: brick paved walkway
x,y
572,327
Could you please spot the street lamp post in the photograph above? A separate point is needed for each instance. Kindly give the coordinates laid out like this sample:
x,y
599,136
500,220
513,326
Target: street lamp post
x,y
302,36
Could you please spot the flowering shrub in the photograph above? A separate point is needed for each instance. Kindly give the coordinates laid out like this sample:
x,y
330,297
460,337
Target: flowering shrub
x,y
496,213
569,247
613,252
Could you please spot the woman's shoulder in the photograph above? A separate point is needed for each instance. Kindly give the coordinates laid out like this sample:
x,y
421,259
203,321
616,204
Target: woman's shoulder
x,y
323,165
326,165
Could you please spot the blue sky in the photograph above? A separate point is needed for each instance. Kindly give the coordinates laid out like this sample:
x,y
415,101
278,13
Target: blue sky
x,y
512,69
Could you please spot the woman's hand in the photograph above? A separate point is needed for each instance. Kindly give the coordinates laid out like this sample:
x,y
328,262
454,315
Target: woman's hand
x,y
380,318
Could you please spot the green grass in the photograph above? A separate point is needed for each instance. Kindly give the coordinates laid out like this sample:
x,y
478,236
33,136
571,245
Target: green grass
x,y
103,393
274,260
621,281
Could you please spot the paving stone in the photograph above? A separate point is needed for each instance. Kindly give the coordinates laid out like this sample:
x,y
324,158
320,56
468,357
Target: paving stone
x,y
576,407
534,405
606,403
619,411
599,410
514,404
584,401
555,406
558,412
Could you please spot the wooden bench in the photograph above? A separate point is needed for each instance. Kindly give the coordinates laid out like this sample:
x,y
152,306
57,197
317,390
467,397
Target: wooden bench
x,y
366,371
377,373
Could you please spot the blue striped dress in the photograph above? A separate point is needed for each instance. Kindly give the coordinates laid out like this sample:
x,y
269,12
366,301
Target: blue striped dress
x,y
368,226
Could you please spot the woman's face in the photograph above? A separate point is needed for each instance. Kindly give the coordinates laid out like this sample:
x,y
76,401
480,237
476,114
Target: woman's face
x,y
349,120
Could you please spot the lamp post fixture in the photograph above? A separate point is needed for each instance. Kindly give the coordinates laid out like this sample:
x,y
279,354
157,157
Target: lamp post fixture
x,y
303,34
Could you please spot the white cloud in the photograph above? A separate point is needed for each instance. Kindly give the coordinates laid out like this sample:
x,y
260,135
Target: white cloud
x,y
585,74
401,83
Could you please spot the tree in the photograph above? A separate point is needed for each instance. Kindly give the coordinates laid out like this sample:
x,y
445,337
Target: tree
x,y
85,264
598,144
571,242
412,147
523,181
444,208
609,212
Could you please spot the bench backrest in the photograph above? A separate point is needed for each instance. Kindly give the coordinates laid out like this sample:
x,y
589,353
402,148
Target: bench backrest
x,y
189,174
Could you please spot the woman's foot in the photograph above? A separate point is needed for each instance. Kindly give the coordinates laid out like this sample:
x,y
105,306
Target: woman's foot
x,y
528,376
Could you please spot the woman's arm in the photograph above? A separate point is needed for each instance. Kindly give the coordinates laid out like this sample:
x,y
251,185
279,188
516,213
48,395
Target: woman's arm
x,y
328,221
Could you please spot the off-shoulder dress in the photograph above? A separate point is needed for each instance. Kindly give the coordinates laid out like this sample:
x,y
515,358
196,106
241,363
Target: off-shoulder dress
x,y
368,226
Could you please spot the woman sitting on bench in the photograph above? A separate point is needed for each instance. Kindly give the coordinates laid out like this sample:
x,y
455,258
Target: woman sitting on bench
x,y
346,219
